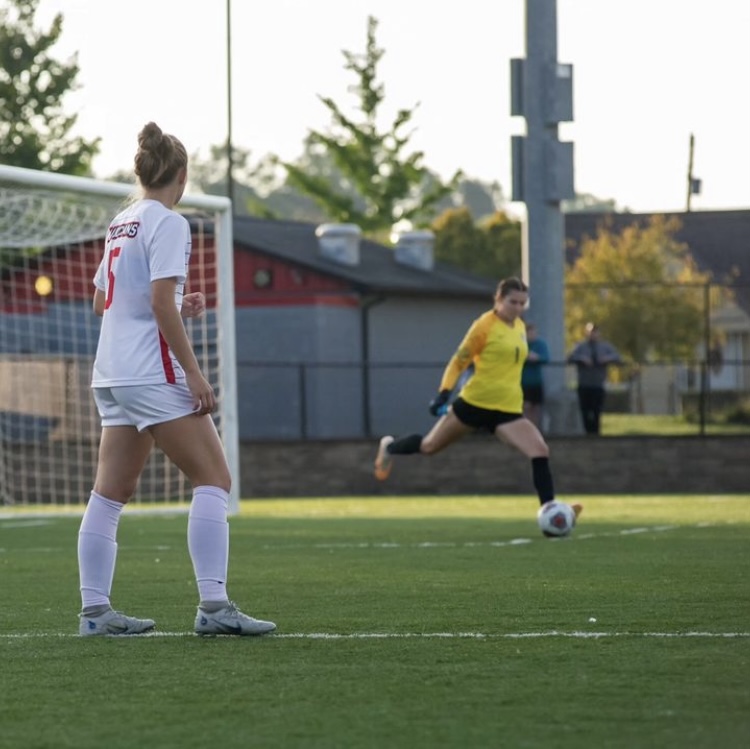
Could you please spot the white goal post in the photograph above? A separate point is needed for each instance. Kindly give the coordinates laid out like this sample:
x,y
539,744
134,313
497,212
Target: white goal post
x,y
51,240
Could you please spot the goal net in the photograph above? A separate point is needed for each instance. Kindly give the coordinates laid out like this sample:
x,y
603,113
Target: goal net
x,y
51,240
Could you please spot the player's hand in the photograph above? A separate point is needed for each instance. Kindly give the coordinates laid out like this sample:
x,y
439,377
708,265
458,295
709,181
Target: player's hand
x,y
437,404
204,398
193,305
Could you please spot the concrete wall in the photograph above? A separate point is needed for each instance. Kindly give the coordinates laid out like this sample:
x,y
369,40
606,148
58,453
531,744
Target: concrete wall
x,y
481,465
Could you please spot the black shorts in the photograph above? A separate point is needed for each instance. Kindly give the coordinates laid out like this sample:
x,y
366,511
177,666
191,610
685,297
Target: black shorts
x,y
481,418
533,394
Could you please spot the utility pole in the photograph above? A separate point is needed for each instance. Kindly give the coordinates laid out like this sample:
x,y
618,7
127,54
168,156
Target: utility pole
x,y
693,184
542,93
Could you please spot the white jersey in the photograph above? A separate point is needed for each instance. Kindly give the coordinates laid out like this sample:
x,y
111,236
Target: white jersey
x,y
144,243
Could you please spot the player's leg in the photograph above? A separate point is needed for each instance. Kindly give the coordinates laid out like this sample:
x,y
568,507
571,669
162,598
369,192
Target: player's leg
x,y
527,439
193,444
123,452
447,429
533,397
533,412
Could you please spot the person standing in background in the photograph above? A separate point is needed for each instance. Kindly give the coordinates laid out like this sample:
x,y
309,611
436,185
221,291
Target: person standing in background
x,y
532,379
592,357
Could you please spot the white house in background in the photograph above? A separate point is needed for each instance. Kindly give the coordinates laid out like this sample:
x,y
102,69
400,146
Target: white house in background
x,y
719,241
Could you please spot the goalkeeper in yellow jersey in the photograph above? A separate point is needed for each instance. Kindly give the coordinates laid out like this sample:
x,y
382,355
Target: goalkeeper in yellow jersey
x,y
492,399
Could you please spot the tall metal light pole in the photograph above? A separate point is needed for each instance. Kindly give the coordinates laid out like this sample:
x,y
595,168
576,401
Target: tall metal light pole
x,y
230,159
542,93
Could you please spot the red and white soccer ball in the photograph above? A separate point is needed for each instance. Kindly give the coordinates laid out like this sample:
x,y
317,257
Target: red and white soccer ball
x,y
556,519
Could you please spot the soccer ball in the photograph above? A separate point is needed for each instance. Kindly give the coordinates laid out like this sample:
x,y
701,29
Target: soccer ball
x,y
556,519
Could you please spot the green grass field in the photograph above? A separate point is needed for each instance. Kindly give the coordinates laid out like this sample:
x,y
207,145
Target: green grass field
x,y
402,623
662,425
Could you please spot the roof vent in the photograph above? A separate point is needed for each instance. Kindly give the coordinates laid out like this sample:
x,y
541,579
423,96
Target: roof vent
x,y
416,248
339,242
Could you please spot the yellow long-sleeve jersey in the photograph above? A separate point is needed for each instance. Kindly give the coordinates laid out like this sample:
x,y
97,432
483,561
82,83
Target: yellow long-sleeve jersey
x,y
498,351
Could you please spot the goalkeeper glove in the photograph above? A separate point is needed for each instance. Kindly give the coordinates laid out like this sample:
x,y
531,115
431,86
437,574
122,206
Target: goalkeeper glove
x,y
438,405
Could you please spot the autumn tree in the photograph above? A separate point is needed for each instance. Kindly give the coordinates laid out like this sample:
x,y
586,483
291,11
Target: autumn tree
x,y
491,247
386,182
645,289
34,128
503,244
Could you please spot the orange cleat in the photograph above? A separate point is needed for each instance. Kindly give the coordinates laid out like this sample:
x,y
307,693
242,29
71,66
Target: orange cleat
x,y
383,460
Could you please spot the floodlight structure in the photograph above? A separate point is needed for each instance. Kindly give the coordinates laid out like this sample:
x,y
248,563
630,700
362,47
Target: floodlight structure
x,y
542,93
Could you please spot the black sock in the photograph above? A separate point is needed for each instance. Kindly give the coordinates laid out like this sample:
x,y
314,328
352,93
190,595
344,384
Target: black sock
x,y
406,445
543,480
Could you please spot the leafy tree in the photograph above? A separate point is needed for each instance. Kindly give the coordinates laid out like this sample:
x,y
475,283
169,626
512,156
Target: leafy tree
x,y
458,240
643,287
481,198
286,202
489,248
503,244
385,185
34,130
250,181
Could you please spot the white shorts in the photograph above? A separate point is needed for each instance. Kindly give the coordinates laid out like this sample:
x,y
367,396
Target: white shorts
x,y
142,406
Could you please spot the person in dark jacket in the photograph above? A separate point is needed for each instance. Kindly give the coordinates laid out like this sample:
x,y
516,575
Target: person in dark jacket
x,y
592,357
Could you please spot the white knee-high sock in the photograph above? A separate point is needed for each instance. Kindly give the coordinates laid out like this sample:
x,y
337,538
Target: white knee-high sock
x,y
97,549
208,541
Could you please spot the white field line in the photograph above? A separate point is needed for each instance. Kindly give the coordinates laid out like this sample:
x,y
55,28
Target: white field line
x,y
21,523
418,544
471,544
76,511
582,635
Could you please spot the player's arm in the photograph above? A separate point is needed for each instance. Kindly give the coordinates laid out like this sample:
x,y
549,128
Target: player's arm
x,y
193,305
99,299
100,290
470,347
172,328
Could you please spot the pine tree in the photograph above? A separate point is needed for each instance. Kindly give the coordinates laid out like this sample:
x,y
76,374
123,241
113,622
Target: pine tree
x,y
386,184
34,128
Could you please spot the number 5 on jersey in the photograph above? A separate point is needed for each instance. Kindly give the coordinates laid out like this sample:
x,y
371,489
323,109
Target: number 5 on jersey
x,y
111,277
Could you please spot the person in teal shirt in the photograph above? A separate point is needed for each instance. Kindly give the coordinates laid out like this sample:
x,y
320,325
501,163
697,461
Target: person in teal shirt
x,y
532,379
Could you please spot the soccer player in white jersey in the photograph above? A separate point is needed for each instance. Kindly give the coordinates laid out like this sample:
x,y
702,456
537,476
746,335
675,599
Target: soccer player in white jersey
x,y
149,390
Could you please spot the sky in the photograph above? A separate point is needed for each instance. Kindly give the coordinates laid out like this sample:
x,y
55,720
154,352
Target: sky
x,y
646,75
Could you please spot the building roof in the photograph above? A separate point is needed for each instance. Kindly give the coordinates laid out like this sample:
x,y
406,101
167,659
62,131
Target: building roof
x,y
377,271
719,241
